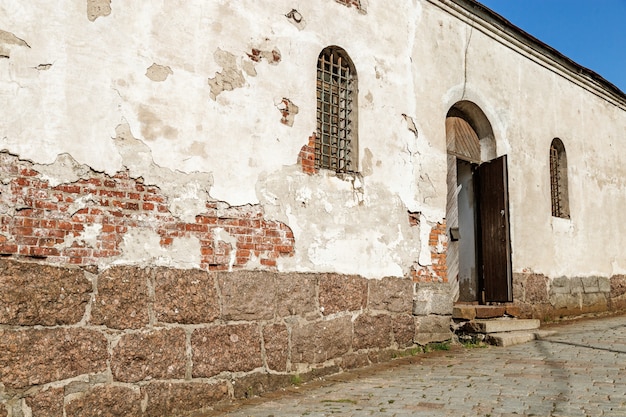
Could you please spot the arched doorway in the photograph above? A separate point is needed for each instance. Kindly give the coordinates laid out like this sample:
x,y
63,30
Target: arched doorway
x,y
479,254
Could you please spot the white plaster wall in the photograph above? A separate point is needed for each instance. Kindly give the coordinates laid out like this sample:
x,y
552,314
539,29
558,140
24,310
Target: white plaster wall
x,y
79,88
529,104
79,97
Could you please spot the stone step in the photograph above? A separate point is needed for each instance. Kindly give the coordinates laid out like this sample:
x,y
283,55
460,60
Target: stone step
x,y
471,312
505,339
503,325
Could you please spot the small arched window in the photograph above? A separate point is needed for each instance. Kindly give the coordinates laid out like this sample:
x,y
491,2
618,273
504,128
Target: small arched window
x,y
558,179
336,138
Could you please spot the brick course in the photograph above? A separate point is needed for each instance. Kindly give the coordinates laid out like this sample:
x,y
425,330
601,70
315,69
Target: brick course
x,y
48,222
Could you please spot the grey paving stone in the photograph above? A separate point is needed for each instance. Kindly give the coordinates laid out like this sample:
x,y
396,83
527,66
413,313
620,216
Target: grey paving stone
x,y
579,371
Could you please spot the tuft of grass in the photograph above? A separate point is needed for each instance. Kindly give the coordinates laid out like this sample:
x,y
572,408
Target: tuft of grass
x,y
432,347
296,379
473,345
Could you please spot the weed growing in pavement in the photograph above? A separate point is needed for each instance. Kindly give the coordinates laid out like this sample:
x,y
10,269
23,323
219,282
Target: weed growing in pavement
x,y
432,347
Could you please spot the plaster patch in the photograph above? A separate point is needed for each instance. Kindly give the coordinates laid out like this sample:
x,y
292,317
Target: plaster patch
x,y
88,237
64,170
158,72
98,8
143,247
219,234
288,110
229,78
187,192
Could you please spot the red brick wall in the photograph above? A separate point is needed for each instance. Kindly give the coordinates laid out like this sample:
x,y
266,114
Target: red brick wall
x,y
48,221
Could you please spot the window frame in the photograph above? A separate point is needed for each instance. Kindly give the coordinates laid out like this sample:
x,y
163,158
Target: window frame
x,y
336,139
559,195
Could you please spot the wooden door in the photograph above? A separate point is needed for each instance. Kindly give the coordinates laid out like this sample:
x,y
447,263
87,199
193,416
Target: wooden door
x,y
495,241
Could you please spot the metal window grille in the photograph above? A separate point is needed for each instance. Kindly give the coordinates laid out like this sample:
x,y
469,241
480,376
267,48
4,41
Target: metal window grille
x,y
555,182
336,85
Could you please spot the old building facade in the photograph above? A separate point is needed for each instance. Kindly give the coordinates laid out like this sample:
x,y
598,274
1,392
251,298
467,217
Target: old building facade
x,y
203,200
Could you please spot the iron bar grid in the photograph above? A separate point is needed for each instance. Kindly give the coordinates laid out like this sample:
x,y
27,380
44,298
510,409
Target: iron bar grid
x,y
335,92
555,182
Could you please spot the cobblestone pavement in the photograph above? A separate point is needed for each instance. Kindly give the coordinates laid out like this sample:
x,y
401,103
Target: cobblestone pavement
x,y
580,371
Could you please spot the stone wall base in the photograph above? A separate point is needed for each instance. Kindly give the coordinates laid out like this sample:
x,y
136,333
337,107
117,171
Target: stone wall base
x,y
546,299
79,341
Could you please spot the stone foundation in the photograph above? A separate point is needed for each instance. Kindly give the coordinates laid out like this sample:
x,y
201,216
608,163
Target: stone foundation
x,y
539,297
78,341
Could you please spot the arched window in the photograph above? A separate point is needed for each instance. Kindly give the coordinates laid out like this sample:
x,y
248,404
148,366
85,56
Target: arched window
x,y
558,179
336,139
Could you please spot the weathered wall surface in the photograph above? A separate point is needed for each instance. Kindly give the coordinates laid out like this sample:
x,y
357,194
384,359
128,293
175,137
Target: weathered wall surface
x,y
179,97
165,234
530,100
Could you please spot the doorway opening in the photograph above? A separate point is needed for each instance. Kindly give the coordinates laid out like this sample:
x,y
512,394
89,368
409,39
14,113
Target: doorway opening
x,y
479,254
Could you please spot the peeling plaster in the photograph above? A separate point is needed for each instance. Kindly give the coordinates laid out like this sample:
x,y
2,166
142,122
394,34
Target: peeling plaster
x,y
341,225
158,72
229,78
273,56
288,111
64,170
88,237
187,192
8,39
296,19
219,234
98,8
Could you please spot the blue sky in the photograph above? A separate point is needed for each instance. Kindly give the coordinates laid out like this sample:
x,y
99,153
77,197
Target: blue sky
x,y
590,32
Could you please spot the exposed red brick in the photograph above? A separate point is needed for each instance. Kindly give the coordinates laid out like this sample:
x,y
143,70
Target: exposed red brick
x,y
46,221
306,157
437,271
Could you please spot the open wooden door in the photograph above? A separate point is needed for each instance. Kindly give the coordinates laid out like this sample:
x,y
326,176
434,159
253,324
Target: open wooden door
x,y
495,239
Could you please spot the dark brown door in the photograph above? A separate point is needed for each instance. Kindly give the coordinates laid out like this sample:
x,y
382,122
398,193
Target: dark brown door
x,y
495,243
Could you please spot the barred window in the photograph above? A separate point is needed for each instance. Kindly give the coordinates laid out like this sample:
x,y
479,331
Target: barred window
x,y
558,179
336,138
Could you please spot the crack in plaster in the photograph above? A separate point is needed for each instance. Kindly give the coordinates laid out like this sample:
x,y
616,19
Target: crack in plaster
x,y
469,40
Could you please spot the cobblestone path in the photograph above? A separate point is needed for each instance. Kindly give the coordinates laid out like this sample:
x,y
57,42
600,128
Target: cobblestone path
x,y
580,371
